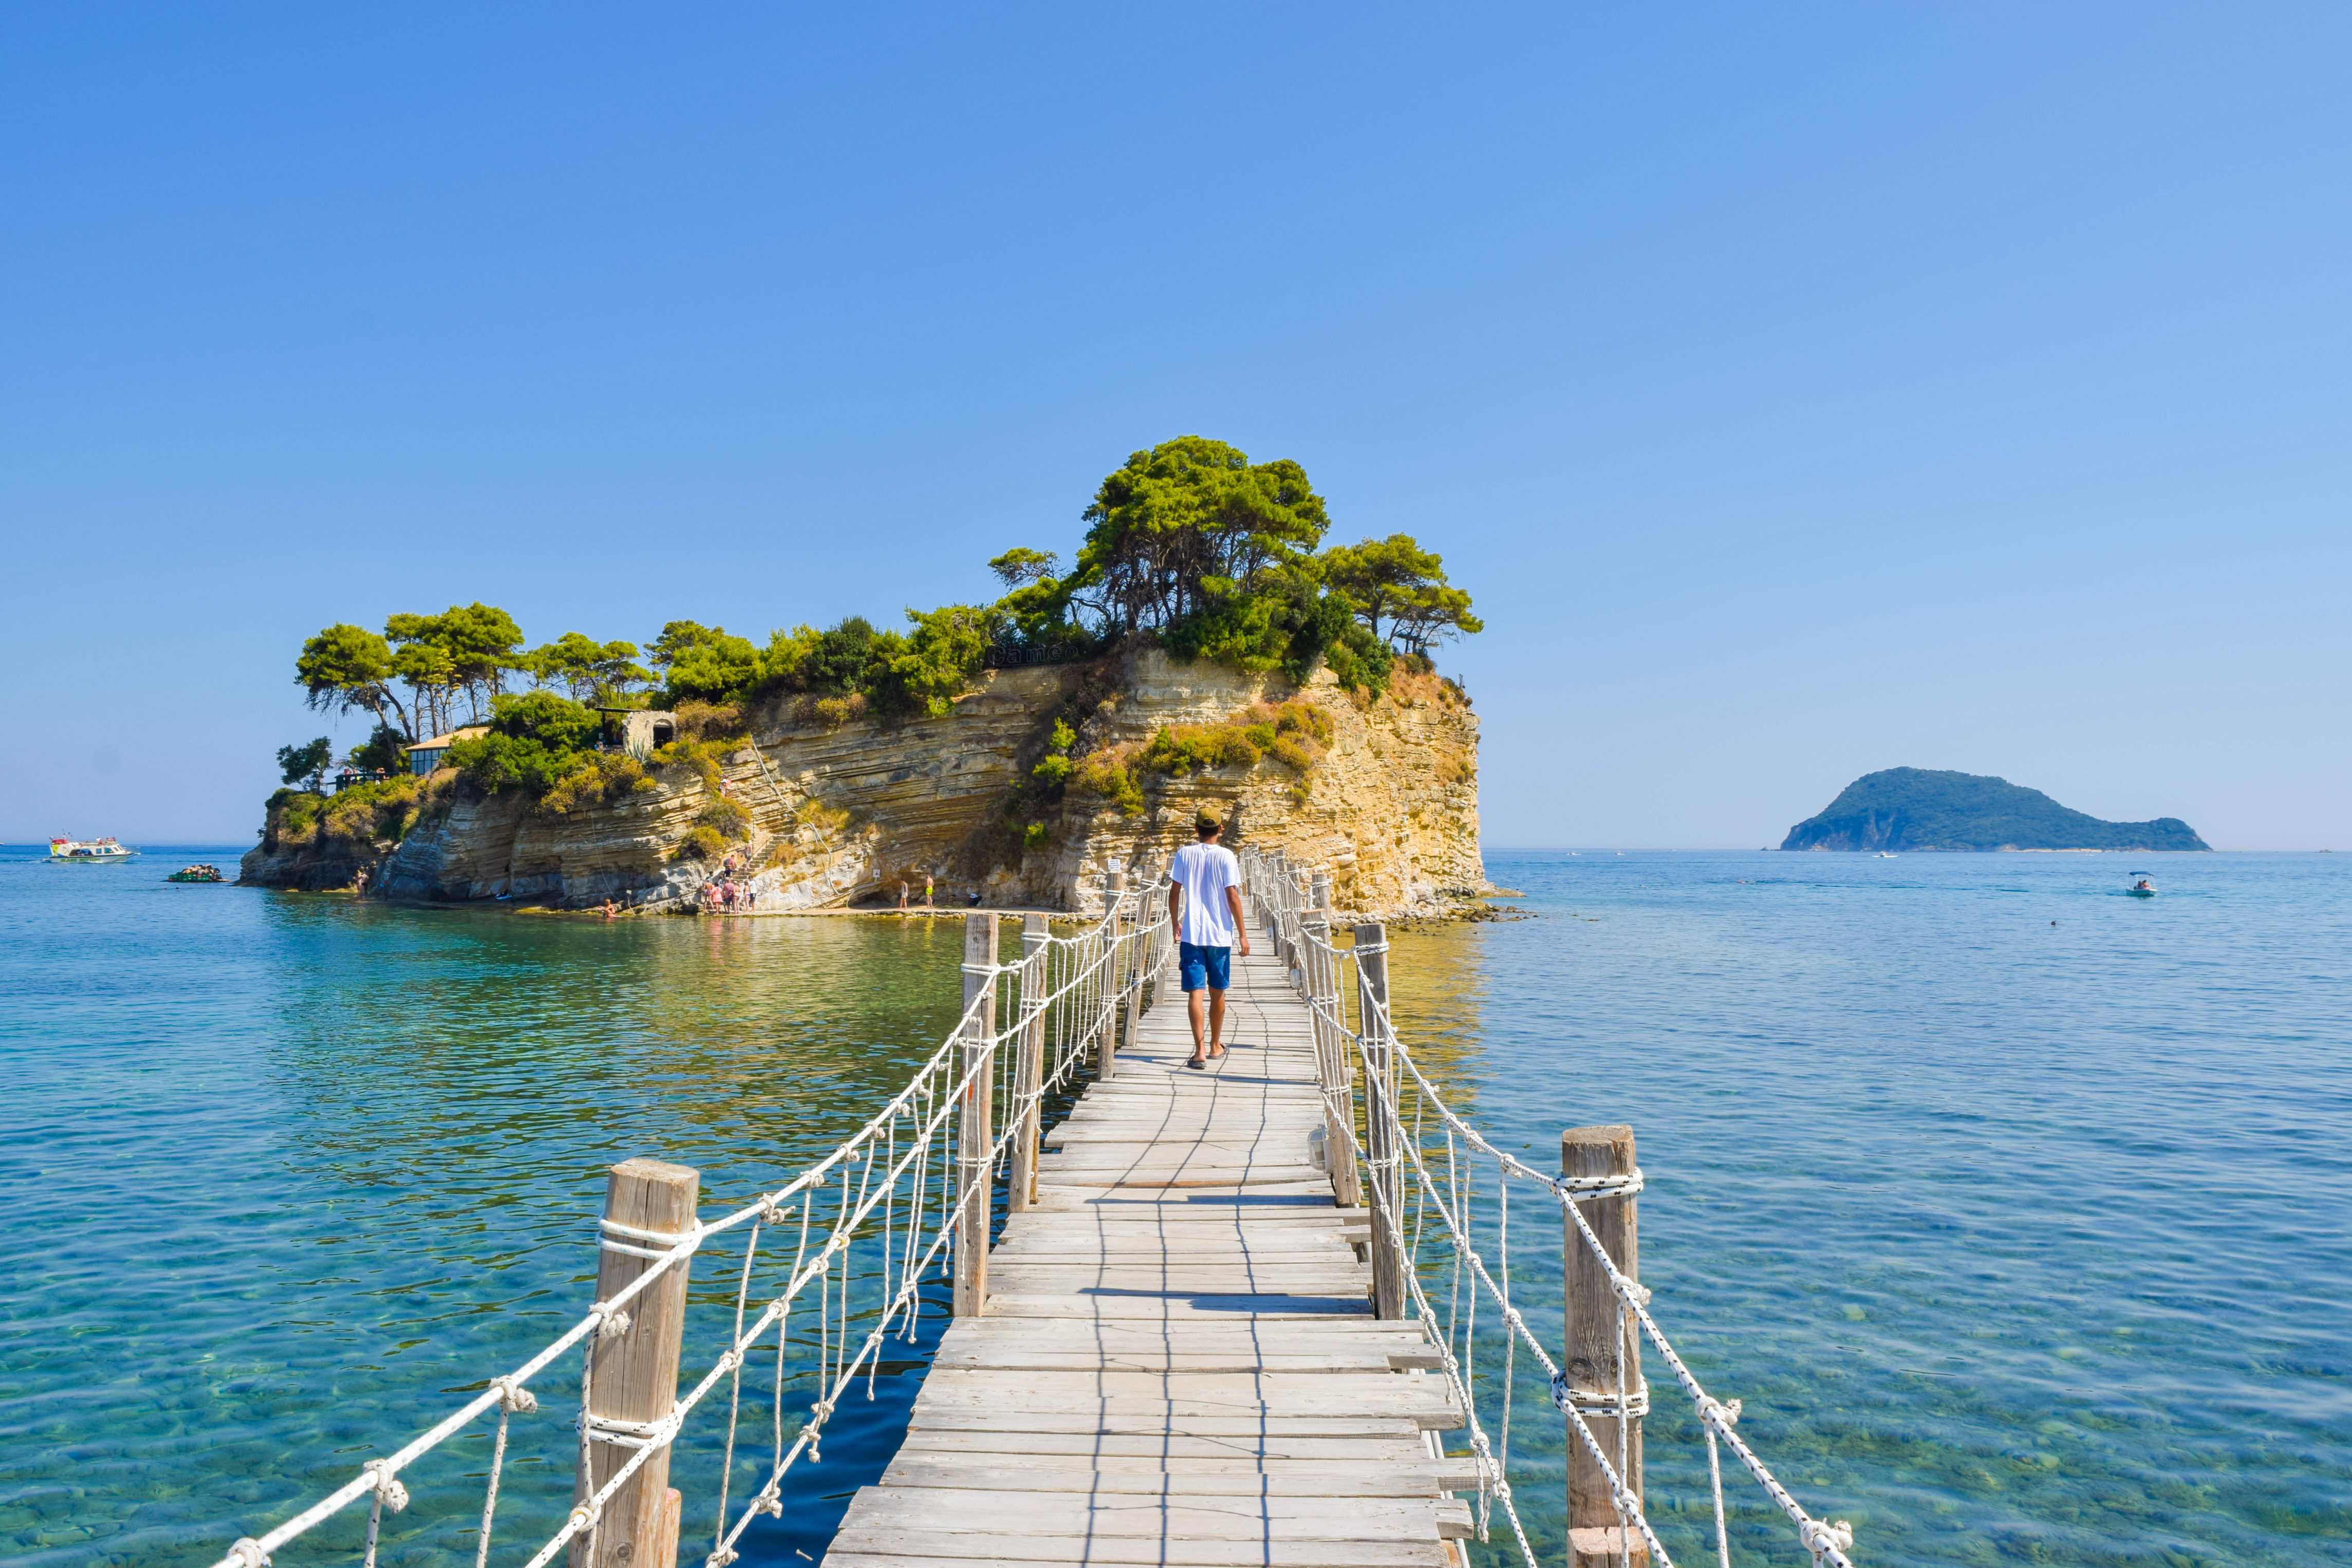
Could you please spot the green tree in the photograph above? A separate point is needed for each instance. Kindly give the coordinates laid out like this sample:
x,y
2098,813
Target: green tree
x,y
705,664
1186,527
841,661
347,667
384,751
310,761
466,648
535,741
1395,581
599,674
430,674
1019,567
932,663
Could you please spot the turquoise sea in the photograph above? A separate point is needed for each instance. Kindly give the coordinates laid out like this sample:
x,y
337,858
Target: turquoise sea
x,y
2018,1212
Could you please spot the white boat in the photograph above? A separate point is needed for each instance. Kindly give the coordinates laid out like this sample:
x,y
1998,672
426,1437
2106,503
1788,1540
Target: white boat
x,y
1886,855
88,851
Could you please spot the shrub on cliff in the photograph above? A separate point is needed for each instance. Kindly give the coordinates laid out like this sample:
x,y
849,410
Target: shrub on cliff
x,y
352,822
698,721
1293,735
535,741
607,777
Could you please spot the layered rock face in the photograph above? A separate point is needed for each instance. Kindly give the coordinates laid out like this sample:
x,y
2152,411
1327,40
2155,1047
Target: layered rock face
x,y
843,815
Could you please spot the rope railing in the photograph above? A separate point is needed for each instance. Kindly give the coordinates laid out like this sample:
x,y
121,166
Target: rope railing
x,y
1420,1161
890,1189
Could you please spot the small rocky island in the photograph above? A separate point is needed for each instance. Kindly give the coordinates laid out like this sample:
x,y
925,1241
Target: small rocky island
x,y
1207,648
1920,809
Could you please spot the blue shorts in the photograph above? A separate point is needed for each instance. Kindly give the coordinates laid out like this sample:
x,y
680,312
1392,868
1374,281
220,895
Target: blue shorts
x,y
1204,968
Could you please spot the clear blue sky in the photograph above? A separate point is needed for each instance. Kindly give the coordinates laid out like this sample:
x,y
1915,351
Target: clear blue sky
x,y
1801,390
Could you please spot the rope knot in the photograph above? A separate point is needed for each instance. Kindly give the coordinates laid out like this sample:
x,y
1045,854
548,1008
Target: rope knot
x,y
769,1504
720,1558
1725,1411
1821,1536
609,1319
1569,1398
514,1397
387,1486
248,1552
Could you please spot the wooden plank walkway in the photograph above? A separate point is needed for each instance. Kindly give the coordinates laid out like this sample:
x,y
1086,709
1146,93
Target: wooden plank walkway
x,y
1178,1363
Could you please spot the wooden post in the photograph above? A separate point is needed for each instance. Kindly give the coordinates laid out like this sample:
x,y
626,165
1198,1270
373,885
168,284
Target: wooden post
x,y
1137,957
1029,1068
1593,1350
1332,1056
975,1135
1120,969
1380,1120
1274,871
634,1379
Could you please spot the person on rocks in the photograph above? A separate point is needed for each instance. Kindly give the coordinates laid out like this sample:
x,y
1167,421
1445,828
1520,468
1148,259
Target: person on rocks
x,y
1204,905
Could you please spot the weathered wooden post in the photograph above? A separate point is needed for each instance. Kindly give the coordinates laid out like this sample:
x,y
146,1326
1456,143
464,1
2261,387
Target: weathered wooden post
x,y
1595,1349
973,1136
1121,966
1330,1052
1274,871
1029,1068
633,1378
1379,1116
1139,930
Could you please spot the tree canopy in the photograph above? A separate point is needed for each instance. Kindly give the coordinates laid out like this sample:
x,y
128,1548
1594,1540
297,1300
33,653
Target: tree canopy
x,y
599,674
347,667
705,663
534,741
310,761
1216,556
1396,580
1189,542
1182,528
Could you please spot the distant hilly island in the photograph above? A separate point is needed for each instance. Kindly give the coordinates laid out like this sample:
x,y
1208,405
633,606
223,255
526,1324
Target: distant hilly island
x,y
1922,809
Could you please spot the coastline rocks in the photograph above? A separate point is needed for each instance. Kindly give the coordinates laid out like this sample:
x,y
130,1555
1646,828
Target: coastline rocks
x,y
842,813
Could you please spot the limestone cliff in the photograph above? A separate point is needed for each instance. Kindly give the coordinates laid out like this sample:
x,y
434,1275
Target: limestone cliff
x,y
841,814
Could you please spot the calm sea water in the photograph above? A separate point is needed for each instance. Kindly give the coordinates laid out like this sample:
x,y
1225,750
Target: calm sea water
x,y
2018,1212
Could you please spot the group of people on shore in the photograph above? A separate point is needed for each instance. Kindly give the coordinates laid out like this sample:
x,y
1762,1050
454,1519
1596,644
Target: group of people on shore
x,y
724,894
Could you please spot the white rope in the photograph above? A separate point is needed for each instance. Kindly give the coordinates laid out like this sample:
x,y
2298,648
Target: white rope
x,y
1069,994
891,1171
1389,1070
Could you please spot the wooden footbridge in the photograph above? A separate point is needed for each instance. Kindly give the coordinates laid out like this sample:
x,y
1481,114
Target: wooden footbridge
x,y
1178,1360
1240,1315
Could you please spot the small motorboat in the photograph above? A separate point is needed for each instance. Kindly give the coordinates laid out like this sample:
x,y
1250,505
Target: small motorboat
x,y
1886,855
196,874
88,851
2141,887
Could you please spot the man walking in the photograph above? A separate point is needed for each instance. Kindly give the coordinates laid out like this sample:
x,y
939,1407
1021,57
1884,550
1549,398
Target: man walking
x,y
1204,905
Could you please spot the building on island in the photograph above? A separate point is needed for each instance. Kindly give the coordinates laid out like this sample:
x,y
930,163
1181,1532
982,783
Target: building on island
x,y
639,731
425,756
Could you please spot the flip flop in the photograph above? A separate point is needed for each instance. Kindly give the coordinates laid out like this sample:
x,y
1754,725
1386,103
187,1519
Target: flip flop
x,y
1196,1066
1216,1051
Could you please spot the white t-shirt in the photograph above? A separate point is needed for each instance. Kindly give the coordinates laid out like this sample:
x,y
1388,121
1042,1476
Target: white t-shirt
x,y
1205,872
